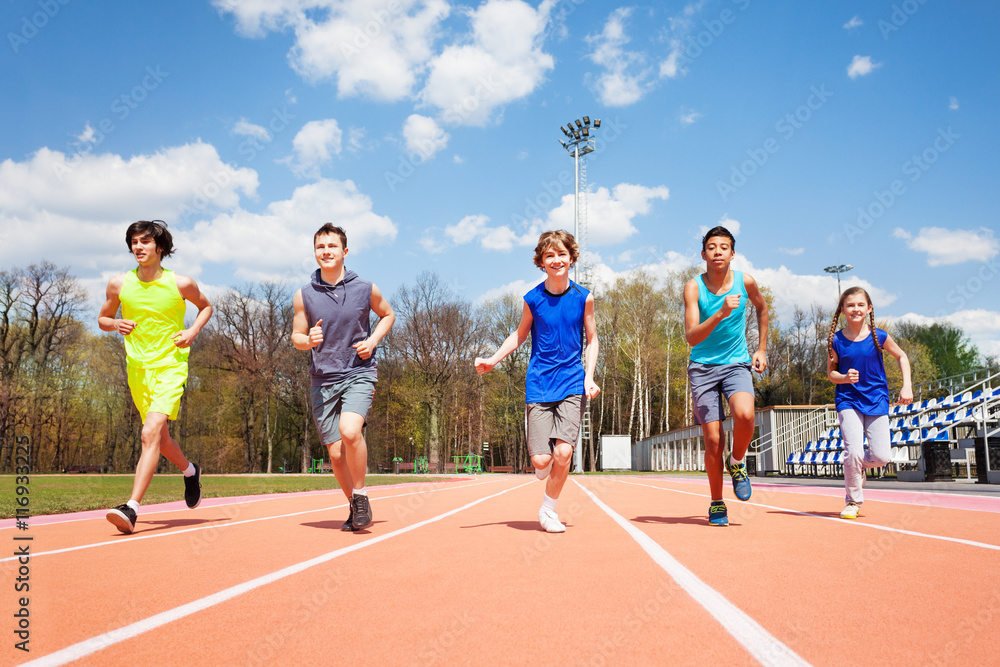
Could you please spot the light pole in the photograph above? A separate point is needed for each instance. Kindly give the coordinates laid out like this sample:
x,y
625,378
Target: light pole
x,y
579,141
838,269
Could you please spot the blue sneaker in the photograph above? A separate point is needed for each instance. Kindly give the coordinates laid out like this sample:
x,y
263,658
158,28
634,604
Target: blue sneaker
x,y
717,515
741,480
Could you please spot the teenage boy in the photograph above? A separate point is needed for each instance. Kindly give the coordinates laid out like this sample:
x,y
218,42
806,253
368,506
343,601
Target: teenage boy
x,y
714,323
332,320
557,385
152,301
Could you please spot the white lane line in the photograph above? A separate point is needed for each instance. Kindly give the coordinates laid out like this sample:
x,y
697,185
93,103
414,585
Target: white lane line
x,y
214,526
761,644
890,529
94,644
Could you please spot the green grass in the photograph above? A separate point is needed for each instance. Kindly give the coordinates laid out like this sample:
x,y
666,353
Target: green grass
x,y
58,494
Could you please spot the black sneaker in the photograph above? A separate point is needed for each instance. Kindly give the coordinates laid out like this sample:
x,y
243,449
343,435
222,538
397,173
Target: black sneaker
x,y
362,515
123,518
192,488
348,526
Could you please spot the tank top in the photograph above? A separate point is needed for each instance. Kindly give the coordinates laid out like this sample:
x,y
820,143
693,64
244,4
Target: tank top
x,y
727,344
870,394
157,308
555,369
344,309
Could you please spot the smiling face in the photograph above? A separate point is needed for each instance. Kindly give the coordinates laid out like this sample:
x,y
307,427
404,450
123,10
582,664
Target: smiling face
x,y
330,252
556,260
856,307
718,252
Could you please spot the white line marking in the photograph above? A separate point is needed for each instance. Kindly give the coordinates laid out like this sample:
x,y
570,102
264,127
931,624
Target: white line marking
x,y
761,644
842,522
128,540
94,644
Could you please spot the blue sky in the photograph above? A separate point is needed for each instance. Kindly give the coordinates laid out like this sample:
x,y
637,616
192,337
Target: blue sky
x,y
823,133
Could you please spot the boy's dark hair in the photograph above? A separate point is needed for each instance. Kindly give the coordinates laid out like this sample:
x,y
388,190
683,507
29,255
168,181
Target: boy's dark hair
x,y
330,228
550,238
155,228
718,231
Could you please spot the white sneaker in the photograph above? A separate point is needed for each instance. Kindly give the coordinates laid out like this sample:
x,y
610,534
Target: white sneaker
x,y
851,511
550,522
544,472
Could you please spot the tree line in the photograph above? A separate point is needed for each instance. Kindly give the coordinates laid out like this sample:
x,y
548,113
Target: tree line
x,y
246,406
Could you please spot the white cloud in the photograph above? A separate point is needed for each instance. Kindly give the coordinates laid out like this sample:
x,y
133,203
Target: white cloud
x,y
372,49
855,22
610,214
626,75
980,325
500,61
88,134
791,251
316,144
732,225
953,103
860,66
355,138
424,136
688,116
952,246
283,232
467,230
517,287
458,159
247,129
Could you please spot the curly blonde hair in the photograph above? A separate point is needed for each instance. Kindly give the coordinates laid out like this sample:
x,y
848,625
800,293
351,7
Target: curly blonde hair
x,y
850,291
550,238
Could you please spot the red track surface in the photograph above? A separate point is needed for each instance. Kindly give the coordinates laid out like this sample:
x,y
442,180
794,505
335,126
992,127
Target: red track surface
x,y
460,573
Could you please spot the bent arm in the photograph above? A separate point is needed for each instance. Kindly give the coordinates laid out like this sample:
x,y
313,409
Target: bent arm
x,y
190,291
694,331
591,351
893,348
758,301
300,324
511,343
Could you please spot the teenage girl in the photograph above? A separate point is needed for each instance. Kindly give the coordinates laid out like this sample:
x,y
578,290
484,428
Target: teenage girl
x,y
862,395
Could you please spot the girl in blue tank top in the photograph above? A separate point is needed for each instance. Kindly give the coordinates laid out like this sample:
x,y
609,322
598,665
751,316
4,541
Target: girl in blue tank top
x,y
856,366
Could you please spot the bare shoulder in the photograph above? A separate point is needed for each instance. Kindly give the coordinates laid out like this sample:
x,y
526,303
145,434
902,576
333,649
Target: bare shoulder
x,y
115,284
748,280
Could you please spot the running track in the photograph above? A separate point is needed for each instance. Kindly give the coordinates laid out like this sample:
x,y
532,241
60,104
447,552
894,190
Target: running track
x,y
458,572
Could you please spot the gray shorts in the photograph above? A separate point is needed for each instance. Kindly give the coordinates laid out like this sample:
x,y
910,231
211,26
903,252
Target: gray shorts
x,y
556,420
353,394
710,383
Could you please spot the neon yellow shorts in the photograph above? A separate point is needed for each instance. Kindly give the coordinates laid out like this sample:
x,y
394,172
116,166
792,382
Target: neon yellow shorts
x,y
158,389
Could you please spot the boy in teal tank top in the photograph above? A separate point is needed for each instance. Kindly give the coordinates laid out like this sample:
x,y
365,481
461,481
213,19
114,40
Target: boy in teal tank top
x,y
153,303
714,316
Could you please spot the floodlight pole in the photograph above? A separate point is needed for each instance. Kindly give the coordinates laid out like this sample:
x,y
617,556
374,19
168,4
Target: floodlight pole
x,y
838,269
580,142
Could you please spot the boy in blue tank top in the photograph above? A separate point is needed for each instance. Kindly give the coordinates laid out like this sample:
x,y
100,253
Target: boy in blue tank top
x,y
331,321
557,385
714,315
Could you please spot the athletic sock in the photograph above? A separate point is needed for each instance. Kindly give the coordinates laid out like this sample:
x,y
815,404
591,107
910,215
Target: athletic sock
x,y
734,462
134,505
190,470
361,492
548,504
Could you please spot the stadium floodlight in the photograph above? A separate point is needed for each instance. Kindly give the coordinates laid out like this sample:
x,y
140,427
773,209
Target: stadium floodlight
x,y
576,135
586,120
838,269
597,122
586,131
564,130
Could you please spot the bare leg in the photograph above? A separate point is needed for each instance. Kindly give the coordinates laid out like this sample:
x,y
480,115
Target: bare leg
x,y
340,468
714,446
156,440
562,455
741,408
355,447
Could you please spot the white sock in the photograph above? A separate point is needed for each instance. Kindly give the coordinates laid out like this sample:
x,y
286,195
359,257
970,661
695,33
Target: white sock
x,y
734,462
361,492
548,504
190,470
134,505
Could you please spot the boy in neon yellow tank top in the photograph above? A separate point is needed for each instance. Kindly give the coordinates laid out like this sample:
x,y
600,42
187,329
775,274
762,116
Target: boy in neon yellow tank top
x,y
714,315
152,301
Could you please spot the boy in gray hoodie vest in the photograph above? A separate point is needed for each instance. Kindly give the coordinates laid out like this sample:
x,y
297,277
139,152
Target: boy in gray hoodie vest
x,y
332,320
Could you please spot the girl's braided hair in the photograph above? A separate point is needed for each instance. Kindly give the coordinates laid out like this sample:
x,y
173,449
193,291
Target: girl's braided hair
x,y
836,318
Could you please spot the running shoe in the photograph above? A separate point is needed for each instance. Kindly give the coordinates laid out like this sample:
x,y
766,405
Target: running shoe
x,y
361,515
741,481
349,524
542,473
192,488
851,511
123,517
717,515
550,522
